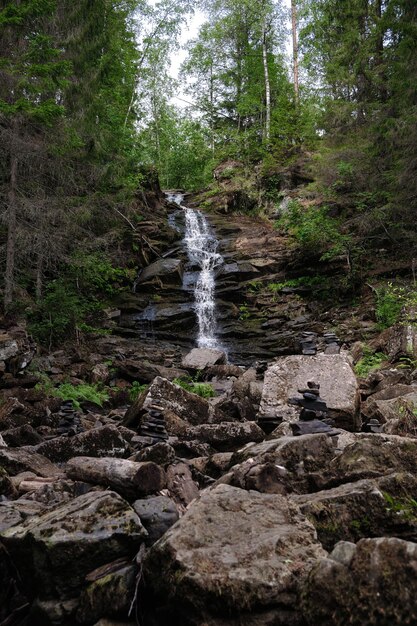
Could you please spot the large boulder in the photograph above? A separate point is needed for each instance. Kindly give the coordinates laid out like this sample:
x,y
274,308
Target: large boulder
x,y
226,436
372,583
370,456
15,460
53,552
165,271
202,358
235,556
171,397
366,508
338,387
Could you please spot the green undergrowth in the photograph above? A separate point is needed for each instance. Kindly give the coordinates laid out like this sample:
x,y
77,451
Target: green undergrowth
x,y
404,506
136,390
204,390
369,362
83,392
394,304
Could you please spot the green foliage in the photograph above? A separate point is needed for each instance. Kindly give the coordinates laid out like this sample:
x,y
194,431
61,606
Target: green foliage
x,y
314,230
136,390
404,506
244,312
81,393
369,362
390,302
205,390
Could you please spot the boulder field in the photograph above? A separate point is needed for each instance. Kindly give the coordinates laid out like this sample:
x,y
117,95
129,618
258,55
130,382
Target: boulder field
x,y
181,510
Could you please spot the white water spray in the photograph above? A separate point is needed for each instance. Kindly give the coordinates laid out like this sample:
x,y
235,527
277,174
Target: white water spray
x,y
202,251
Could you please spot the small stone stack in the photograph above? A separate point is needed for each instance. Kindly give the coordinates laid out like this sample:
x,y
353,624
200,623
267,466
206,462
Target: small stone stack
x,y
313,412
332,343
69,420
152,426
308,343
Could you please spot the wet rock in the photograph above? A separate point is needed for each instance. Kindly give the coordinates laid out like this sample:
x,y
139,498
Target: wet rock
x,y
202,358
164,271
168,396
226,436
98,442
366,508
366,584
234,552
157,514
109,594
53,552
338,387
15,460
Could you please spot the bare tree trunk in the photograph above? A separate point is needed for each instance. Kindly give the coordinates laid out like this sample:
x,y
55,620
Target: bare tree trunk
x,y
267,87
295,48
11,229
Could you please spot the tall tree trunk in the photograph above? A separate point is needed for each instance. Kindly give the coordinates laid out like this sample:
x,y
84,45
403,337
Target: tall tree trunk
x,y
267,87
11,227
295,48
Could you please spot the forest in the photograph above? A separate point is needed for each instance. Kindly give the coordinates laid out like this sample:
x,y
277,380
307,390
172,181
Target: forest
x,y
86,113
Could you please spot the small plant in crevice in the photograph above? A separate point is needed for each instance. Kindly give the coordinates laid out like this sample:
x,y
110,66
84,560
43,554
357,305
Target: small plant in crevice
x,y
370,361
136,390
204,390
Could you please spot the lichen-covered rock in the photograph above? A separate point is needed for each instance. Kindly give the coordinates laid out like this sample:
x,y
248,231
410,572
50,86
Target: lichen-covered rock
x,y
338,387
371,584
108,595
371,455
53,552
234,553
366,508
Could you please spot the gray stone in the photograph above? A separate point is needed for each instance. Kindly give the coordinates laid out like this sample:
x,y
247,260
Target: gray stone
x,y
227,436
169,271
15,460
14,512
201,358
104,441
157,514
234,552
338,387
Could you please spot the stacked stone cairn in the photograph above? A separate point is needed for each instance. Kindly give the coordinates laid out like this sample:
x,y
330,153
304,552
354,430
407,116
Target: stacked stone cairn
x,y
313,415
69,420
152,428
332,343
308,343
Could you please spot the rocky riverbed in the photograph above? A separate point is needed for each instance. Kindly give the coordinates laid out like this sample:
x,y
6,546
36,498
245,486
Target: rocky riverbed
x,y
178,509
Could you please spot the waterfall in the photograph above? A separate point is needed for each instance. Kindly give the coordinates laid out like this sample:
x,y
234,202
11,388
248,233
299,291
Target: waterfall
x,y
202,247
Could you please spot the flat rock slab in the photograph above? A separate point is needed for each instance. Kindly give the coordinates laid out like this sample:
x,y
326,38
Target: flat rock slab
x,y
226,436
15,460
370,583
338,387
201,358
233,552
169,270
54,552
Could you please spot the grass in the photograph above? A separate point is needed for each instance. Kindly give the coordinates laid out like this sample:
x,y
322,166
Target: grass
x,y
369,362
204,390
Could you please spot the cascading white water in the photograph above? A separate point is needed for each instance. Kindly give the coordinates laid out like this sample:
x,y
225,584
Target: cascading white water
x,y
202,251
